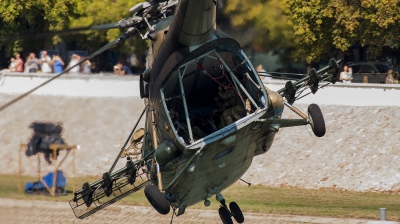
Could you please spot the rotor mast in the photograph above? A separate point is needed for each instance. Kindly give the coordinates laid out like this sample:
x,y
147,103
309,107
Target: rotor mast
x,y
198,23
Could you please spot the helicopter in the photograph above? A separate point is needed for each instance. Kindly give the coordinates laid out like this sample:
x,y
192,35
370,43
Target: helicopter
x,y
194,144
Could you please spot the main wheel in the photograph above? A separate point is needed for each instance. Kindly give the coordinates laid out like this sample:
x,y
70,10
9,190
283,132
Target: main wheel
x,y
225,215
237,212
157,199
317,121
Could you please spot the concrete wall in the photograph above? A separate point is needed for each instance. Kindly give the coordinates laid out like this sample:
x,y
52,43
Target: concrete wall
x,y
360,150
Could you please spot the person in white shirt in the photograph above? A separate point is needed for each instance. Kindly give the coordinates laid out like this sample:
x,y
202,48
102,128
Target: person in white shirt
x,y
74,60
345,77
45,62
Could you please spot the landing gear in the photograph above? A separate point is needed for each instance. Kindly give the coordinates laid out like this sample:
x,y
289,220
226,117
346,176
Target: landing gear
x,y
316,120
157,199
237,212
226,213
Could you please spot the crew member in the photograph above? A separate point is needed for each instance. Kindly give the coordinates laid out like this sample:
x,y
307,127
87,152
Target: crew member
x,y
232,105
182,130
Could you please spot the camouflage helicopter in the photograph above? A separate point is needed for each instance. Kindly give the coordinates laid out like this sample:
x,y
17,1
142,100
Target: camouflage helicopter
x,y
195,143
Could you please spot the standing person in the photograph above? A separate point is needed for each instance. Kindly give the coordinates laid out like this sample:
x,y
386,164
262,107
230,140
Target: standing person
x,y
45,62
57,64
19,63
87,67
120,69
344,76
74,60
32,63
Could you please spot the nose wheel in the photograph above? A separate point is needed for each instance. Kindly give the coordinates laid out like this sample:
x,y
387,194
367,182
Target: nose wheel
x,y
226,213
234,211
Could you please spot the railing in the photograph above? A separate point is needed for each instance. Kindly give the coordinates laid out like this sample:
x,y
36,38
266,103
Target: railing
x,y
369,78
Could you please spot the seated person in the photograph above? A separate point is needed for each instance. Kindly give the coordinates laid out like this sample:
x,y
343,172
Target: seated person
x,y
230,104
120,69
182,130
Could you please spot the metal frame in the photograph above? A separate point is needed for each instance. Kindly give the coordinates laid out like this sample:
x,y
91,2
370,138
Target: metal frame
x,y
56,165
166,111
181,73
237,82
257,77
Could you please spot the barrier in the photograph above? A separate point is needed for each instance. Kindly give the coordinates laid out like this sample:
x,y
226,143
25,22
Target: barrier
x,y
349,94
71,85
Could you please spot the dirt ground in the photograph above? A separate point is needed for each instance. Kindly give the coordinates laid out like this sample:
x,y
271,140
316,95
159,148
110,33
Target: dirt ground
x,y
32,212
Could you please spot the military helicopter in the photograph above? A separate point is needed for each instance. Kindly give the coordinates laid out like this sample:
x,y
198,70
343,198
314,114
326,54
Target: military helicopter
x,y
194,144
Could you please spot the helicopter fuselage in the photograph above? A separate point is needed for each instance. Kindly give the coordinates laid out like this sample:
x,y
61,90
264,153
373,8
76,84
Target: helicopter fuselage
x,y
192,62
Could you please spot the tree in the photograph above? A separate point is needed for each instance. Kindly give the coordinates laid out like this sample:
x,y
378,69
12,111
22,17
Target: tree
x,y
323,25
104,12
38,16
33,16
271,28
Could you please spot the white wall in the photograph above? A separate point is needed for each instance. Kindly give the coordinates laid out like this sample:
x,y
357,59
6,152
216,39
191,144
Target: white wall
x,y
349,94
72,85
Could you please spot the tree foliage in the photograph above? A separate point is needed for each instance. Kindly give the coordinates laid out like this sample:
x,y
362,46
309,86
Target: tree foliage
x,y
310,29
34,16
104,12
322,24
272,29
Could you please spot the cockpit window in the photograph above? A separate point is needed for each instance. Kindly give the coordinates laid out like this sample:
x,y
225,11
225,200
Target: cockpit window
x,y
211,92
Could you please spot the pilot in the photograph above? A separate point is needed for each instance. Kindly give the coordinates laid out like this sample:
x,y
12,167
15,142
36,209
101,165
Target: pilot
x,y
232,105
182,130
220,103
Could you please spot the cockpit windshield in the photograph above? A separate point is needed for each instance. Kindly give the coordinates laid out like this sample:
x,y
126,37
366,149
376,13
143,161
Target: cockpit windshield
x,y
211,92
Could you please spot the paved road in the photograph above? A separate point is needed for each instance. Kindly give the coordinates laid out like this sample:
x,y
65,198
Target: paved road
x,y
32,212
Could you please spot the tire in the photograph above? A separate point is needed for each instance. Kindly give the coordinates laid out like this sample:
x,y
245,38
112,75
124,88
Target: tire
x,y
225,215
237,212
317,121
157,199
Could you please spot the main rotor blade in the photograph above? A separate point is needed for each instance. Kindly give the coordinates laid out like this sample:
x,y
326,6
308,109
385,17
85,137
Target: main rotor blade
x,y
282,75
124,36
104,26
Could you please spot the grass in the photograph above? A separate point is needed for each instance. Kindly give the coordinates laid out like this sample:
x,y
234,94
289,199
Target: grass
x,y
327,203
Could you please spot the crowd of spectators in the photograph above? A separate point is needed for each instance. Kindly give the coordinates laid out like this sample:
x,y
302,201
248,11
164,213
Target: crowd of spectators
x,y
47,64
54,64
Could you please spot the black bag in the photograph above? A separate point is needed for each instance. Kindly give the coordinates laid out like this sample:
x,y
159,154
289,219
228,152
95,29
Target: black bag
x,y
44,134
